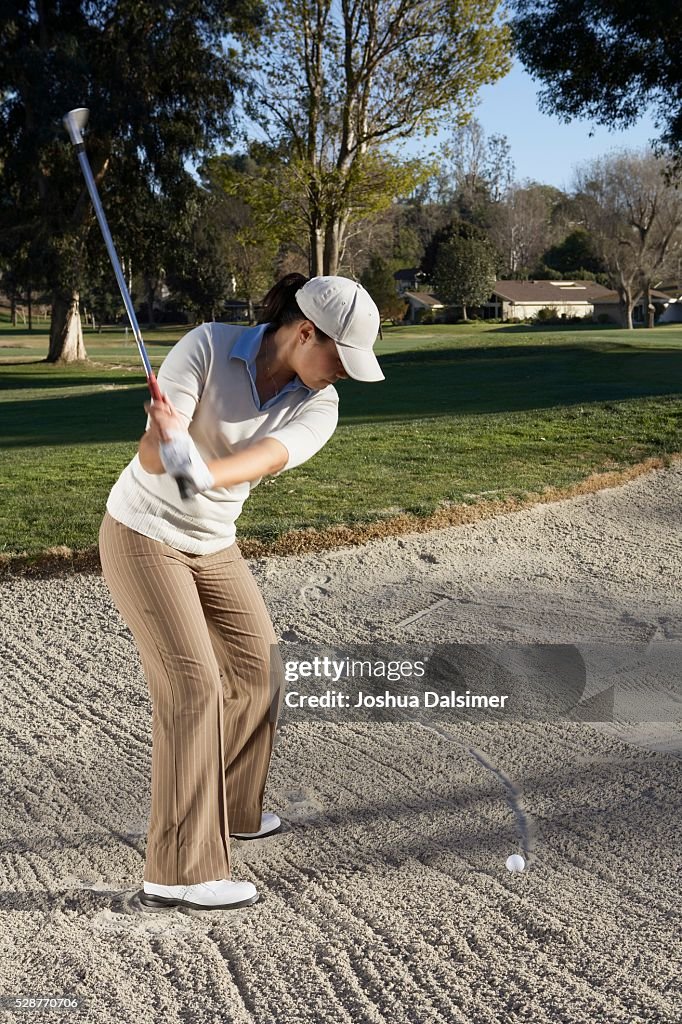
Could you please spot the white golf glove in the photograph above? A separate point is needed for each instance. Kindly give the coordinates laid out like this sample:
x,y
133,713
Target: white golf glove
x,y
181,459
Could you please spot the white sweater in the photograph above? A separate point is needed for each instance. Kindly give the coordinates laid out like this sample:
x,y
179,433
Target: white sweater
x,y
209,377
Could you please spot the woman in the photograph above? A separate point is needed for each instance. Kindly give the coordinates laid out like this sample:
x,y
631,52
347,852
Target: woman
x,y
245,403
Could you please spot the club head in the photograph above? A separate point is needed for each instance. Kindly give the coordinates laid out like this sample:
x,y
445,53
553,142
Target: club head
x,y
74,122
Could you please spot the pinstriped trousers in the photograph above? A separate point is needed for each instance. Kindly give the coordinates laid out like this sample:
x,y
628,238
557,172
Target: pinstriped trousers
x,y
209,656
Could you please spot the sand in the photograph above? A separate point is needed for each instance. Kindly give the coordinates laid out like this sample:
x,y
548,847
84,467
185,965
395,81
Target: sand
x,y
385,897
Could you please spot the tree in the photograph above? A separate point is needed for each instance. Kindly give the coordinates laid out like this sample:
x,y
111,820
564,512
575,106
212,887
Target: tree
x,y
577,252
456,228
474,172
254,224
379,281
634,213
523,225
464,274
606,59
198,265
160,91
336,83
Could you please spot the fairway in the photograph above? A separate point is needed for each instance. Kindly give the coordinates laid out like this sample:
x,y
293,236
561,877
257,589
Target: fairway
x,y
467,413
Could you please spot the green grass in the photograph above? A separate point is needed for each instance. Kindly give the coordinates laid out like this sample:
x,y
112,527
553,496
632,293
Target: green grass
x,y
465,410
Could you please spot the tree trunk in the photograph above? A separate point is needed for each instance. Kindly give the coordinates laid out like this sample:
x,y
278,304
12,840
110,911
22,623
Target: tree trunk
x,y
464,312
30,309
150,288
650,308
332,246
13,308
151,293
66,332
316,252
627,304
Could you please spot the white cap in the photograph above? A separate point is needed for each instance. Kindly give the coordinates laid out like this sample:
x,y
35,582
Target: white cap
x,y
346,312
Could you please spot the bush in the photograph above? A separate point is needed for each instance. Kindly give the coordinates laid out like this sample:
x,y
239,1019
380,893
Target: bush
x,y
602,318
548,314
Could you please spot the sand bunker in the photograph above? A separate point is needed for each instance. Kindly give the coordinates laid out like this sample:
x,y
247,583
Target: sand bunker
x,y
385,897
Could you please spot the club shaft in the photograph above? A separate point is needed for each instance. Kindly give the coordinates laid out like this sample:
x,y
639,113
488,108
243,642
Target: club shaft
x,y
125,294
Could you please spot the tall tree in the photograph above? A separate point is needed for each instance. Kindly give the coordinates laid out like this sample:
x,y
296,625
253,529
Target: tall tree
x,y
254,221
337,82
160,90
197,267
606,59
634,214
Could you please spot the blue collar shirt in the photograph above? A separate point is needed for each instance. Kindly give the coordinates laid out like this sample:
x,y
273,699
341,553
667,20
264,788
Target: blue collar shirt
x,y
246,348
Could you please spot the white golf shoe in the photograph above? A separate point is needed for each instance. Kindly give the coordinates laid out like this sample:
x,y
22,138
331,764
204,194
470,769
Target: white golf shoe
x,y
269,824
218,894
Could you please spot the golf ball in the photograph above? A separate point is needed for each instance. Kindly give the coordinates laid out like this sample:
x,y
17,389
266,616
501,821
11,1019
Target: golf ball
x,y
515,863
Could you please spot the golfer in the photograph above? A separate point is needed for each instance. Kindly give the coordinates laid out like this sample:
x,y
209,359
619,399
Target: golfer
x,y
244,402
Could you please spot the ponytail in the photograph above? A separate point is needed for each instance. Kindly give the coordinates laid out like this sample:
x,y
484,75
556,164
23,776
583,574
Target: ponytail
x,y
280,307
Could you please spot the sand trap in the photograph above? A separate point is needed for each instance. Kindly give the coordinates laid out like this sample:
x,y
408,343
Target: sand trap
x,y
385,897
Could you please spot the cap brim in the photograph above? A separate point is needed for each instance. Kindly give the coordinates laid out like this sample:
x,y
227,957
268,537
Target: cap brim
x,y
360,365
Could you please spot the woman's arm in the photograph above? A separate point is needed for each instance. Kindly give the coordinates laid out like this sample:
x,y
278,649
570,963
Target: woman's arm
x,y
148,451
259,459
251,463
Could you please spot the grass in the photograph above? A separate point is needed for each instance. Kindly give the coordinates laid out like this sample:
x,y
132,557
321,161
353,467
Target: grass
x,y
467,414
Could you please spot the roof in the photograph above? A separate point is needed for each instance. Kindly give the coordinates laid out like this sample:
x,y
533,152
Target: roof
x,y
612,296
551,292
425,298
407,272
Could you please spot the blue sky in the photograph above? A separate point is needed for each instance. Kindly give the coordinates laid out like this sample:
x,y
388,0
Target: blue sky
x,y
542,147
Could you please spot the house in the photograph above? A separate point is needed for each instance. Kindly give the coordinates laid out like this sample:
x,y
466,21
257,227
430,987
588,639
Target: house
x,y
609,306
420,303
523,299
408,279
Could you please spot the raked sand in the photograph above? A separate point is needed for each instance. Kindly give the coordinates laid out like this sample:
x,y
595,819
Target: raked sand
x,y
385,897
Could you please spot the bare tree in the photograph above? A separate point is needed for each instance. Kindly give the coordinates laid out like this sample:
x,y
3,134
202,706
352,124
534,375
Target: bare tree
x,y
632,206
522,226
473,171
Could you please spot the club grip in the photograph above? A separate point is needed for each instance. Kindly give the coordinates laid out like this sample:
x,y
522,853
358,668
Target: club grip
x,y
154,387
185,492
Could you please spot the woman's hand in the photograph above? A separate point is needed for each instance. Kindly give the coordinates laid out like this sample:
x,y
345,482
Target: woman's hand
x,y
164,419
164,423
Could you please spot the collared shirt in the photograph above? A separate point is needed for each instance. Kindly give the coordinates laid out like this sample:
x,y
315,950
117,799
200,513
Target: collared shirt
x,y
246,348
209,376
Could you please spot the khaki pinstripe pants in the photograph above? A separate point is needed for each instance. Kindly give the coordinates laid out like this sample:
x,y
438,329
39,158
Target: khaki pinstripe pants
x,y
205,641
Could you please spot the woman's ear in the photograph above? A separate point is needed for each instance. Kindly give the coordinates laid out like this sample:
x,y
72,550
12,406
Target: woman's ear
x,y
306,332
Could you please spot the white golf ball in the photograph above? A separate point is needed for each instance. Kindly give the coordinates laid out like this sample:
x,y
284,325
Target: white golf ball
x,y
515,863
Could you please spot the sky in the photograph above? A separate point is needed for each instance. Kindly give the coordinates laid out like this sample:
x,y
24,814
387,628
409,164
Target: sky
x,y
544,148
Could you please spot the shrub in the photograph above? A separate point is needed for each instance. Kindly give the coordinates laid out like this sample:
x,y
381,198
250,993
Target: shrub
x,y
546,315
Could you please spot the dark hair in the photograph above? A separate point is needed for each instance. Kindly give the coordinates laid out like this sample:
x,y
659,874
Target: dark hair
x,y
280,307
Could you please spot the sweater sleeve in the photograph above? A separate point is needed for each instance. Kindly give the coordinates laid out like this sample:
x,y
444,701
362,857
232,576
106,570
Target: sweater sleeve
x,y
184,371
310,429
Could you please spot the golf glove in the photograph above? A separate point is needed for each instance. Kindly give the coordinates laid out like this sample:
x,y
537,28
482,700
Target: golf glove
x,y
181,458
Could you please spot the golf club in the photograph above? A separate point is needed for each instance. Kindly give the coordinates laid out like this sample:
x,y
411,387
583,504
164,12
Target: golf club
x,y
74,122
